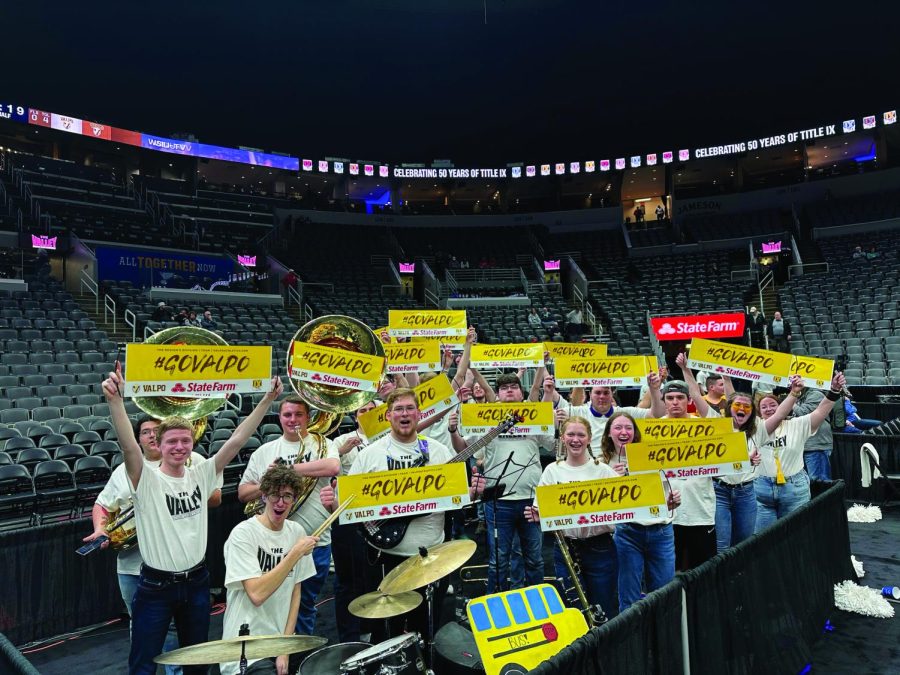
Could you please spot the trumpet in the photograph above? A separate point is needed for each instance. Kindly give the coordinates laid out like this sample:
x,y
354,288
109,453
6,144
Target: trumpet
x,y
593,614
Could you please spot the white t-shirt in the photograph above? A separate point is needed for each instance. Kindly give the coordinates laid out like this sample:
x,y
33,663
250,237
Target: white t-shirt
x,y
311,514
560,472
754,442
252,549
116,495
171,516
440,431
526,452
598,422
388,453
787,441
348,457
698,496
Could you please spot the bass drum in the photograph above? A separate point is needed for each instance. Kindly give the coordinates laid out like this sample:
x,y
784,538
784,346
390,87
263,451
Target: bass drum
x,y
327,660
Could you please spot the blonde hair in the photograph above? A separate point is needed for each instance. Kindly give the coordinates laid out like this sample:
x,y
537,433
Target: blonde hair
x,y
401,392
575,419
170,423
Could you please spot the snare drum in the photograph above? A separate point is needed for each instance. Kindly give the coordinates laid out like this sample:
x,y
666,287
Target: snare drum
x,y
401,655
327,660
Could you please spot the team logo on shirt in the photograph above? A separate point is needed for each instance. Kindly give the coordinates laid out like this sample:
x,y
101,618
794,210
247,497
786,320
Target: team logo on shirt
x,y
654,511
184,505
268,559
409,462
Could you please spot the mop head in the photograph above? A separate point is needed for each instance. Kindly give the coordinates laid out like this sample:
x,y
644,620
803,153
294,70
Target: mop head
x,y
863,514
857,567
850,597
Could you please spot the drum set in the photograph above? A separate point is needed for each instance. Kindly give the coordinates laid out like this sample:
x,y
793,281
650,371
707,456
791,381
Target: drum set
x,y
396,595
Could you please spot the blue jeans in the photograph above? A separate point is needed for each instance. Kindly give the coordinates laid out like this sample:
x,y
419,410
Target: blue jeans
x,y
776,501
599,571
508,516
309,590
349,552
640,548
861,425
128,584
818,464
735,513
155,604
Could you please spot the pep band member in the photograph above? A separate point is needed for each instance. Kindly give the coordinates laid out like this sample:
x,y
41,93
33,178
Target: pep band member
x,y
266,559
592,545
170,507
641,545
783,485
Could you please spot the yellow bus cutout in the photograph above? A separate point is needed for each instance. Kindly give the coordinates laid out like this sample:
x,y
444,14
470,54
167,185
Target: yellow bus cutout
x,y
517,630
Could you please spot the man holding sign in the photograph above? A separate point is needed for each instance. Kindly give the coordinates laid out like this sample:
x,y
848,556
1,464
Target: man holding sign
x,y
309,455
403,448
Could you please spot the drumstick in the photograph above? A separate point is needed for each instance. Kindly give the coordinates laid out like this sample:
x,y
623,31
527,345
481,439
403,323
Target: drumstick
x,y
330,519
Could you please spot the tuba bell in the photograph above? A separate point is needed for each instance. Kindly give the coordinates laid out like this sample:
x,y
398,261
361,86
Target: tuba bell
x,y
328,403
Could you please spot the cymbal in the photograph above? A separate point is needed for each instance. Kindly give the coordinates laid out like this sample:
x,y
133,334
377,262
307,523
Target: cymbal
x,y
418,570
378,605
257,647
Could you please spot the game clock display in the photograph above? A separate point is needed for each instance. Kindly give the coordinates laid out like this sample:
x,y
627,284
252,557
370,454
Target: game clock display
x,y
16,113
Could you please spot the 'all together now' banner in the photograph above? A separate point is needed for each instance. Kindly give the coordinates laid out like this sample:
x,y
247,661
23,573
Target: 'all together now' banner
x,y
404,492
719,455
196,371
427,322
527,355
480,418
339,367
606,501
434,396
758,365
612,371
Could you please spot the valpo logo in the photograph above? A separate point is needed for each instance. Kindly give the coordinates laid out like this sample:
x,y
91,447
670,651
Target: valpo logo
x,y
699,326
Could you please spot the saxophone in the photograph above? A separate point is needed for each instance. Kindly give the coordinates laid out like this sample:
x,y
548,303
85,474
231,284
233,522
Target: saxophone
x,y
307,483
593,614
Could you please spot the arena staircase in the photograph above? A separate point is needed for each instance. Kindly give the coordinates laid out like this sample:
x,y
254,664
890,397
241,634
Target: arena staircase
x,y
115,328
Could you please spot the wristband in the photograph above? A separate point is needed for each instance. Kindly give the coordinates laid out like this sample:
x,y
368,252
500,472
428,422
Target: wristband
x,y
833,395
453,430
796,394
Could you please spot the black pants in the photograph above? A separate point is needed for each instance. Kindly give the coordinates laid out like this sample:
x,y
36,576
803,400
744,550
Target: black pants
x,y
694,545
415,620
348,550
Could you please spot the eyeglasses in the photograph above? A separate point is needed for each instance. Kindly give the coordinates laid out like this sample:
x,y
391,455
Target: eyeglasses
x,y
148,432
741,406
286,498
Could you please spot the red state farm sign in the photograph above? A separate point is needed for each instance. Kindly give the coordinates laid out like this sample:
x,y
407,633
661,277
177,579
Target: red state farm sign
x,y
699,326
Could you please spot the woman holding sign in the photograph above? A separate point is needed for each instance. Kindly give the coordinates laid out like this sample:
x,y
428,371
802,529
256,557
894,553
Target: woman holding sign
x,y
783,485
641,545
592,546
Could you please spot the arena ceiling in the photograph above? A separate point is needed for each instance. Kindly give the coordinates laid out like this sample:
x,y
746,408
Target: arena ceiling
x,y
486,81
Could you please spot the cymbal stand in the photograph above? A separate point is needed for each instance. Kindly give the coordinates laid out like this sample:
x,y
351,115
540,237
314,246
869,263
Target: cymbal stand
x,y
429,598
244,630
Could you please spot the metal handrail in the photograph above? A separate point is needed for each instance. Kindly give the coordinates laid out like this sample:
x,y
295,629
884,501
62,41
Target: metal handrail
x,y
431,298
805,268
91,285
296,295
308,313
131,320
148,332
109,307
578,296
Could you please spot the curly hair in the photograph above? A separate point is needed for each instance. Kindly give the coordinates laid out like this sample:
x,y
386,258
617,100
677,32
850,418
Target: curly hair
x,y
278,477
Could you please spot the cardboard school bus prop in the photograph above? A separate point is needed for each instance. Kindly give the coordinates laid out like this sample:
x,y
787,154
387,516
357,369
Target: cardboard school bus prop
x,y
517,630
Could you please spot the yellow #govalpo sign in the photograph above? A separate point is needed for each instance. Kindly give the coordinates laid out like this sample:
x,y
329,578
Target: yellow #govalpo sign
x,y
454,342
605,501
409,357
338,367
758,365
676,429
575,350
435,396
720,455
480,418
404,492
611,371
816,373
196,371
526,355
426,322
